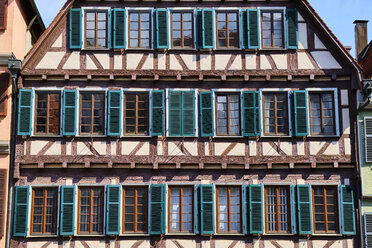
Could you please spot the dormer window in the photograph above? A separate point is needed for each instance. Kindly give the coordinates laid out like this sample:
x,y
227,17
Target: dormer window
x,y
272,29
95,29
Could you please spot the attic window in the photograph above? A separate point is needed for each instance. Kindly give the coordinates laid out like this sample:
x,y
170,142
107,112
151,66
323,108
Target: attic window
x,y
95,29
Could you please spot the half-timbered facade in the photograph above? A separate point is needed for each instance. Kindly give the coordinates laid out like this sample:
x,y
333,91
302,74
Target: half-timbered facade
x,y
187,124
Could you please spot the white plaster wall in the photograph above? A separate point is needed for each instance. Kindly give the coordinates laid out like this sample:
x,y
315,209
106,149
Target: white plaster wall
x,y
103,59
113,148
186,243
205,62
221,61
286,147
161,61
192,147
325,60
302,243
304,62
250,61
118,62
174,150
345,121
280,61
90,64
160,148
220,147
58,42
50,60
82,149
268,150
238,150
100,147
252,148
73,61
227,243
205,244
36,146
347,146
300,148
256,243
173,63
68,148
237,63
133,60
53,244
333,149
149,63
344,97
264,63
190,61
128,146
66,244
315,146
55,149
91,244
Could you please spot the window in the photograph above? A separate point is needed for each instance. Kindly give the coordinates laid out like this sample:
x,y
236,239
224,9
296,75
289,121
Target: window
x,y
277,218
139,30
272,29
325,214
136,113
90,216
180,209
135,210
92,110
48,113
182,30
3,176
4,85
44,211
228,114
275,112
3,13
229,209
227,30
95,29
322,113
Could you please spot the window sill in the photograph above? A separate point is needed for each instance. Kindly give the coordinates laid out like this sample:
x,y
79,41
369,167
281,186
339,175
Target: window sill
x,y
227,136
278,234
327,234
42,236
273,49
180,234
323,136
46,135
134,234
136,136
96,49
182,49
229,234
90,235
276,136
139,49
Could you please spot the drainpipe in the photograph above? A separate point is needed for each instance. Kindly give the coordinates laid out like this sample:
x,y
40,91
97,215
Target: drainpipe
x,y
14,67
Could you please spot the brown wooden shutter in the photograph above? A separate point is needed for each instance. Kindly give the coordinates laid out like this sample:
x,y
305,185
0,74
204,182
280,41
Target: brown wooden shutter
x,y
4,85
3,9
2,200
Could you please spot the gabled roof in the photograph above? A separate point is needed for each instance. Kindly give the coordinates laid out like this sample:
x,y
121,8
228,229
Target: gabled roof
x,y
365,60
33,18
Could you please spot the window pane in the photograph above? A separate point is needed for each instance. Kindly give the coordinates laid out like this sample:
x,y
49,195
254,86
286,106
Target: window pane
x,y
135,209
229,209
322,113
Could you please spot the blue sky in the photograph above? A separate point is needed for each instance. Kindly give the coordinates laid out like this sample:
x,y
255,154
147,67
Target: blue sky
x,y
339,15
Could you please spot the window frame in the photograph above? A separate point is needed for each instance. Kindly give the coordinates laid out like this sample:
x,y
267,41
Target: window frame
x,y
238,23
193,23
134,92
122,211
320,93
337,209
228,186
215,112
5,85
289,208
83,25
150,11
4,27
103,203
34,124
262,109
180,187
56,210
79,114
284,31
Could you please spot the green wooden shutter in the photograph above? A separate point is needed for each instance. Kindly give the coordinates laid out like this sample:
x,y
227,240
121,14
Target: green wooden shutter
x,y
243,29
25,112
294,209
199,29
157,112
348,226
300,112
206,113
188,113
305,219
75,28
253,29
196,209
175,113
208,28
251,113
119,37
256,217
113,200
245,209
67,216
162,29
20,224
292,29
114,116
207,209
69,112
157,209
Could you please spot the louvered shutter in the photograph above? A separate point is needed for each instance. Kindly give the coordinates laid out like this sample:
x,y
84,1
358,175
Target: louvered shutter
x,y
20,223
188,113
25,112
75,28
197,209
67,216
4,85
243,29
300,112
251,113
157,209
175,113
347,210
3,176
119,32
207,209
69,112
294,208
368,138
157,112
305,220
256,217
368,229
292,29
245,209
206,113
207,28
162,29
3,11
113,200
253,29
199,29
114,118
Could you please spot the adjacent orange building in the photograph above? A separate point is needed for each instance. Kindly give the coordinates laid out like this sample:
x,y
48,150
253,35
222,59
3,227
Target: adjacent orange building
x,y
20,27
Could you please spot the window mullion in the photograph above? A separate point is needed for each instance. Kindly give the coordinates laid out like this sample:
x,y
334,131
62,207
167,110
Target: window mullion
x,y
227,30
135,209
123,221
44,209
277,209
325,209
228,210
275,114
91,211
139,29
227,114
47,114
182,31
180,222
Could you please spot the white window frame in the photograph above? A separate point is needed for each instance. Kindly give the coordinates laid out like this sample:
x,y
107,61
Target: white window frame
x,y
239,23
283,9
194,27
139,9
